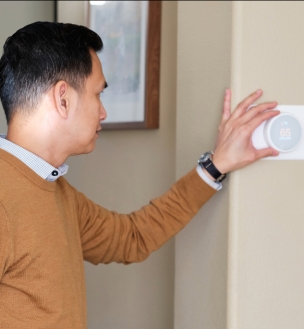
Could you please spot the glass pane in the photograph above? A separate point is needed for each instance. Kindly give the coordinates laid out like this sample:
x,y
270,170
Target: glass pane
x,y
122,26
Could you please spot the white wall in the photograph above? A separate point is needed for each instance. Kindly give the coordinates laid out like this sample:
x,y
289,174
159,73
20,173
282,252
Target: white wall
x,y
13,16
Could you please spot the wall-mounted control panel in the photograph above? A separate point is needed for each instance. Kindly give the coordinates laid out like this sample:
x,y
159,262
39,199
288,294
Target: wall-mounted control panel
x,y
284,133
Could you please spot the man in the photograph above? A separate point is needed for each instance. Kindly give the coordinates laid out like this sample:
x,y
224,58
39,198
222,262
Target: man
x,y
50,85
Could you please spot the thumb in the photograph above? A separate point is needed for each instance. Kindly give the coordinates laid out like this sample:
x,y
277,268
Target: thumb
x,y
266,153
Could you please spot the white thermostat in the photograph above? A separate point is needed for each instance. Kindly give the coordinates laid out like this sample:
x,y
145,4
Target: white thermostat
x,y
284,133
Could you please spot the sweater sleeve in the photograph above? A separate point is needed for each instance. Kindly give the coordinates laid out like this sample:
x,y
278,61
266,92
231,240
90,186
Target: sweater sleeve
x,y
6,254
107,236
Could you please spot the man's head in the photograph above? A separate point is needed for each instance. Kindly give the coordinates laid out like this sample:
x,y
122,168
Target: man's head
x,y
53,68
39,55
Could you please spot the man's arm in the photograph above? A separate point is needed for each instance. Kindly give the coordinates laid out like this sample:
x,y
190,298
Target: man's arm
x,y
110,237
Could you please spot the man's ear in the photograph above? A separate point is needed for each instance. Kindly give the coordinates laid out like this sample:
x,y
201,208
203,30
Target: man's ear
x,y
61,98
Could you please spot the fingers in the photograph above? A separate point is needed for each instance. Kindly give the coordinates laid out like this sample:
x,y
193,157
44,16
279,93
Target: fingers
x,y
260,154
254,111
260,118
227,106
243,106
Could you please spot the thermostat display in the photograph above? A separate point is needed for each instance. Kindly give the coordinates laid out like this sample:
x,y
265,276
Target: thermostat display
x,y
283,132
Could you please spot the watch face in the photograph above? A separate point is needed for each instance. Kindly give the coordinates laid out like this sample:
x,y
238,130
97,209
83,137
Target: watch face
x,y
285,132
204,157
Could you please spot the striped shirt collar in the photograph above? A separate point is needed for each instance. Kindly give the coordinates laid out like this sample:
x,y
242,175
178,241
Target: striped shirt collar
x,y
38,165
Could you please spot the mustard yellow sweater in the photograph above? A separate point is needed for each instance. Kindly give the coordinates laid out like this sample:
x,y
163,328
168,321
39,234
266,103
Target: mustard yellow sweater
x,y
47,230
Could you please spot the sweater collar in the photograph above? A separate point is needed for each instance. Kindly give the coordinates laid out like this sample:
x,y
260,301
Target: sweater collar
x,y
38,165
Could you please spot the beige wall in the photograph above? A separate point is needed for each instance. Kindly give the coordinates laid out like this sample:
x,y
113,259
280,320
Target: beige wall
x,y
71,12
204,39
266,249
125,171
13,16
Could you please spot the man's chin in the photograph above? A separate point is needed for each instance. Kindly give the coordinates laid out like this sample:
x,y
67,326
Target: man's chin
x,y
86,150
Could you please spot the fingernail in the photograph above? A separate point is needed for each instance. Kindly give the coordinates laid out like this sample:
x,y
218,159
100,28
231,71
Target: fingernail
x,y
259,91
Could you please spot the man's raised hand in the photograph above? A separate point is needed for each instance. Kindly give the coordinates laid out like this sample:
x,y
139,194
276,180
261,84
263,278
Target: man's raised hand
x,y
234,148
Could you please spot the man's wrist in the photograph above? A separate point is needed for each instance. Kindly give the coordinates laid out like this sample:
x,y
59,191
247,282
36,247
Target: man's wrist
x,y
207,164
222,167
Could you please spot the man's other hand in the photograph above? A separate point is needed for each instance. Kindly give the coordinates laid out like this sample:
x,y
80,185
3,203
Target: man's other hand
x,y
234,148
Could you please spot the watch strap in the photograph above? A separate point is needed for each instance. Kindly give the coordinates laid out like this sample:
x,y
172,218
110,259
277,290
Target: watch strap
x,y
213,171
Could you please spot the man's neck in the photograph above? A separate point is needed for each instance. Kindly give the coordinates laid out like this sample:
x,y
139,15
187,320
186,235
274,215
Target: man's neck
x,y
36,142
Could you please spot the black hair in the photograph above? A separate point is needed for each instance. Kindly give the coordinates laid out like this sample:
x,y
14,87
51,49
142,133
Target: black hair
x,y
38,56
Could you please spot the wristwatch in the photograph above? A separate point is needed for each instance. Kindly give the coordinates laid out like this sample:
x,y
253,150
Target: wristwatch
x,y
205,161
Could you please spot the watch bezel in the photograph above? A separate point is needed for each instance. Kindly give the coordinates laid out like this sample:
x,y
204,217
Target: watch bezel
x,y
204,157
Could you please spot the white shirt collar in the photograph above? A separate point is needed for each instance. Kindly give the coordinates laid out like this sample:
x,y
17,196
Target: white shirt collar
x,y
38,165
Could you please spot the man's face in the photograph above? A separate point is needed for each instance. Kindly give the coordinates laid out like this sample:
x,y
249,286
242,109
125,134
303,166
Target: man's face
x,y
90,111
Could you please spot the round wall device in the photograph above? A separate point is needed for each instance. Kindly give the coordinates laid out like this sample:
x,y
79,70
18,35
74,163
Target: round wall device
x,y
283,132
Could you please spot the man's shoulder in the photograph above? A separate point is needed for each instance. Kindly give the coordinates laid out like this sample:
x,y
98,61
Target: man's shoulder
x,y
18,181
68,191
10,169
7,170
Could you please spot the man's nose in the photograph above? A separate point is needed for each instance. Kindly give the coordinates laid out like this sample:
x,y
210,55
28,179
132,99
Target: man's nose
x,y
103,113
